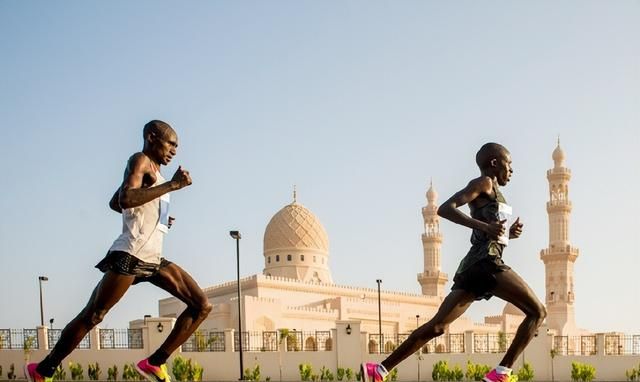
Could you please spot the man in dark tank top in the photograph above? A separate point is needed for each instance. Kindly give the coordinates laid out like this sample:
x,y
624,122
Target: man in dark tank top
x,y
482,272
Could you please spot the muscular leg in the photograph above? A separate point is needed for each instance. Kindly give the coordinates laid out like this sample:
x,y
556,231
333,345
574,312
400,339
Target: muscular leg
x,y
453,306
106,294
180,284
512,288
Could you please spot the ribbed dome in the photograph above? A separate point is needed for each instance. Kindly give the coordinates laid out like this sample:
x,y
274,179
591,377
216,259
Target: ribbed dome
x,y
558,154
294,226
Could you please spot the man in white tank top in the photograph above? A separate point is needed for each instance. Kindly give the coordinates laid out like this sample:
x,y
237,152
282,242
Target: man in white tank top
x,y
136,256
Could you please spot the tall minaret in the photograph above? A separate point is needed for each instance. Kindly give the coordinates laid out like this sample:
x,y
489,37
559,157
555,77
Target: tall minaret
x,y
432,279
559,257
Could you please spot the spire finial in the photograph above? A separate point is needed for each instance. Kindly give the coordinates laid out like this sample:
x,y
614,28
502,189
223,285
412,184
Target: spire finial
x,y
558,140
295,194
431,182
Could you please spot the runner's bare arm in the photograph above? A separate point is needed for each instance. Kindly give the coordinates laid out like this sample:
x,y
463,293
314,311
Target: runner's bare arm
x,y
449,209
132,194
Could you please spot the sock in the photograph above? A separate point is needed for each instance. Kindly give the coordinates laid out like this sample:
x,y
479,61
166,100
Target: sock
x,y
158,358
503,370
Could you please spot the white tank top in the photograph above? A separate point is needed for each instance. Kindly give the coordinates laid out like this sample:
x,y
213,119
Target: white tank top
x,y
144,227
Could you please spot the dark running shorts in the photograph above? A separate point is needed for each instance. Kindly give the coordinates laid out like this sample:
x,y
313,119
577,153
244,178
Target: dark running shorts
x,y
480,278
128,265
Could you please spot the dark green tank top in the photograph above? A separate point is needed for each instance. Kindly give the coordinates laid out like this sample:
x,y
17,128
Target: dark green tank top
x,y
483,247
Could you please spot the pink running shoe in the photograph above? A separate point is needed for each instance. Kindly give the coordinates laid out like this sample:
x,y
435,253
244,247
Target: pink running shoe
x,y
153,373
373,372
493,376
33,375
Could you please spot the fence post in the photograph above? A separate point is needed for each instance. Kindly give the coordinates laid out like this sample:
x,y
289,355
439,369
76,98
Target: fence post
x,y
600,344
43,338
468,342
229,343
94,338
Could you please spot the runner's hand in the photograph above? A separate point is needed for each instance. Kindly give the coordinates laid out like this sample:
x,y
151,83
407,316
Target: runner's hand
x,y
181,178
495,230
516,229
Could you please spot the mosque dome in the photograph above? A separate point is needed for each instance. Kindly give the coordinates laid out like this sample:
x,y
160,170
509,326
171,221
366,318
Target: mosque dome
x,y
558,154
296,246
294,226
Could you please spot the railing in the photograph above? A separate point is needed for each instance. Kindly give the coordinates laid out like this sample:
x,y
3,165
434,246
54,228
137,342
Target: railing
x,y
621,344
19,338
447,343
121,339
295,341
574,345
203,341
53,336
492,342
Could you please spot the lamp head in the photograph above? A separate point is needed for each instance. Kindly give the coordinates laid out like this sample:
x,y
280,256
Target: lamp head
x,y
235,234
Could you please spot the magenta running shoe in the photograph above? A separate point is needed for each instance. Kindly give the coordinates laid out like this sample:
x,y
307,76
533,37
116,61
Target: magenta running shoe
x,y
373,372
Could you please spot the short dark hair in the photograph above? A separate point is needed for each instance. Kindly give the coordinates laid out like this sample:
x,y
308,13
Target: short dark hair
x,y
155,127
487,152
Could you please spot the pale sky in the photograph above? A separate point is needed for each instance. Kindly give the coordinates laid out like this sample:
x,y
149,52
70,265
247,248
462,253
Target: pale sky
x,y
358,103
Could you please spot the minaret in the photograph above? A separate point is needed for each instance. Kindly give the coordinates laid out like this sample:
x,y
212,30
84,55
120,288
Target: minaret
x,y
432,279
559,257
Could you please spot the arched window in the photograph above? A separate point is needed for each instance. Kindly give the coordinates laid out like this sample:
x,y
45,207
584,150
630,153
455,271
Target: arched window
x,y
277,258
288,257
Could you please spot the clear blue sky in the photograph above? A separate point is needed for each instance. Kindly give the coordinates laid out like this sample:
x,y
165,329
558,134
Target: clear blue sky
x,y
359,103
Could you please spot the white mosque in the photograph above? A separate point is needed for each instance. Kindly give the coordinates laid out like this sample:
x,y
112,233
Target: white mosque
x,y
296,289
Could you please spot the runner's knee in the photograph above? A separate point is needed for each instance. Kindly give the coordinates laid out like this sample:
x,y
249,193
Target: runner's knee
x,y
93,318
440,328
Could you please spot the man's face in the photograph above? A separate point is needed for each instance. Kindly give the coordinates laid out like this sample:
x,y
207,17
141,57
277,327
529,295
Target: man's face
x,y
164,146
503,168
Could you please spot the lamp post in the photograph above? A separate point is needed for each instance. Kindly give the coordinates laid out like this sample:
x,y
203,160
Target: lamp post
x,y
379,316
236,235
40,280
419,352
51,323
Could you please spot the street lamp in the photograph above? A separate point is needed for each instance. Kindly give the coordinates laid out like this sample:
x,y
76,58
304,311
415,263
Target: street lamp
x,y
40,280
236,235
51,323
379,316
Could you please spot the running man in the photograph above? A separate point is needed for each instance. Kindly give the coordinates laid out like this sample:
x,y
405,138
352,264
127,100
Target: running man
x,y
482,273
136,256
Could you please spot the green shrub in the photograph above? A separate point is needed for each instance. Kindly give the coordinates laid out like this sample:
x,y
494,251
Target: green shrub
x,y
129,373
59,374
326,374
305,371
77,373
195,371
349,374
456,374
12,372
440,371
93,371
112,373
582,372
526,372
339,373
358,375
475,372
393,375
252,375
